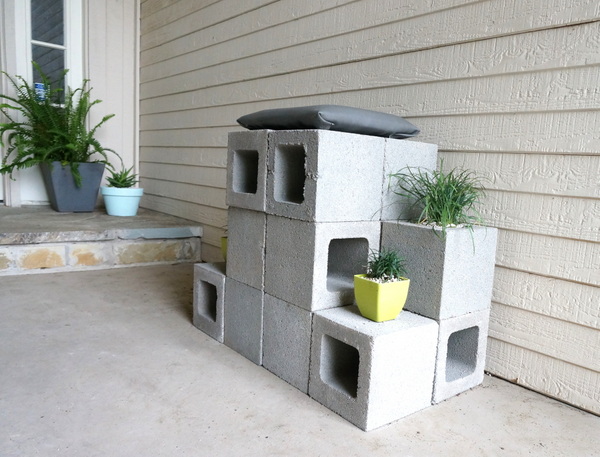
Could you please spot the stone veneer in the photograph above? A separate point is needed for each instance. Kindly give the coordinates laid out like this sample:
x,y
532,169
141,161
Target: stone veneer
x,y
58,250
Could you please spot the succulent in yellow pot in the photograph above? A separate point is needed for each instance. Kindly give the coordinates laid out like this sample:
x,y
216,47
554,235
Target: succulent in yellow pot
x,y
381,293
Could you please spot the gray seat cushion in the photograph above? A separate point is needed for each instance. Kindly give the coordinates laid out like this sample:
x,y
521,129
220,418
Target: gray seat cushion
x,y
331,117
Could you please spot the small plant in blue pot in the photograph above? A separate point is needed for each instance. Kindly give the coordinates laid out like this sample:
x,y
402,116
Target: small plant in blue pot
x,y
121,198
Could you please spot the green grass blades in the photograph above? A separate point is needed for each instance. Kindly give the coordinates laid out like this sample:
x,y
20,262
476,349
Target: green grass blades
x,y
444,199
385,265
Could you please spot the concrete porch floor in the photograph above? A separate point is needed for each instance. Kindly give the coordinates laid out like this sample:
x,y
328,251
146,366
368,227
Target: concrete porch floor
x,y
107,363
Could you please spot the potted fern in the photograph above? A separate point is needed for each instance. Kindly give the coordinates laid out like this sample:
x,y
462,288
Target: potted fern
x,y
44,129
381,293
121,198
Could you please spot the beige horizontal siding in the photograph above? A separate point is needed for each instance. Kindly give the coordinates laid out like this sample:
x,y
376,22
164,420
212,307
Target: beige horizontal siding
x,y
562,340
566,258
557,298
559,175
194,156
209,215
508,88
556,378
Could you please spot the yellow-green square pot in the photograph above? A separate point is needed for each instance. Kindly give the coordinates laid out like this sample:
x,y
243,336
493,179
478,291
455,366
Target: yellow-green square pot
x,y
380,302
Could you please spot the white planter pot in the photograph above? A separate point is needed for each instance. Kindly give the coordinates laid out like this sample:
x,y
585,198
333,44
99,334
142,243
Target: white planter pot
x,y
122,201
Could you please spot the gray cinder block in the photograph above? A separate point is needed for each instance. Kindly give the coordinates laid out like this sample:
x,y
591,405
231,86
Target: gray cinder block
x,y
449,276
246,246
372,373
324,176
209,292
247,169
461,354
312,265
400,154
244,320
286,341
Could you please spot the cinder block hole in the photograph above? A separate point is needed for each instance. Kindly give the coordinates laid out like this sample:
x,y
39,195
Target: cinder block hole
x,y
245,171
289,173
339,365
207,300
346,258
462,353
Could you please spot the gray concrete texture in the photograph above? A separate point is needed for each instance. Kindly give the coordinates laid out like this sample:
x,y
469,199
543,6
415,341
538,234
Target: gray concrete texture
x,y
372,373
108,363
324,176
311,265
287,331
247,169
40,224
209,296
400,154
246,239
461,354
244,319
449,276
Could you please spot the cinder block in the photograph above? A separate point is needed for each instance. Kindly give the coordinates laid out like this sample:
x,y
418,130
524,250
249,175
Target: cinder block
x,y
209,296
324,176
449,276
244,319
246,246
312,265
461,354
286,341
247,169
371,373
400,154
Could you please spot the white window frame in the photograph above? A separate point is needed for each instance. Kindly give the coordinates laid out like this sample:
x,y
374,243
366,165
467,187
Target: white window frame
x,y
16,57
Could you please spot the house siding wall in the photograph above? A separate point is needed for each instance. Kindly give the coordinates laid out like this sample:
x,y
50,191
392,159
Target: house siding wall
x,y
508,88
111,47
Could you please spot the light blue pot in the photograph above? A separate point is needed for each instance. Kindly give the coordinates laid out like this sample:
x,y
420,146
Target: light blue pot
x,y
122,201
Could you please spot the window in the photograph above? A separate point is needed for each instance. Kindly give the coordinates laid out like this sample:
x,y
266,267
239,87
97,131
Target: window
x,y
48,40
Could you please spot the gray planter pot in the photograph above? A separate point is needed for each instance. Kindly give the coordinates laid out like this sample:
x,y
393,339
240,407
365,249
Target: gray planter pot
x,y
64,195
450,276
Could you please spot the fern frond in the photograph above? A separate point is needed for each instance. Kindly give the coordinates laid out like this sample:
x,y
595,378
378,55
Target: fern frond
x,y
49,129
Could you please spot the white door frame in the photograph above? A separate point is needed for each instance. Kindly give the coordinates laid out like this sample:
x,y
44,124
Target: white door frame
x,y
16,60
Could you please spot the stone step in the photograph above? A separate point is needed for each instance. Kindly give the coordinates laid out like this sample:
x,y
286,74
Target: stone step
x,y
35,239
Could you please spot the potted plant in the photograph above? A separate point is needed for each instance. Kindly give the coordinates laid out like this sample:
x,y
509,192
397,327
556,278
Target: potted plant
x,y
120,197
442,199
450,255
381,293
43,129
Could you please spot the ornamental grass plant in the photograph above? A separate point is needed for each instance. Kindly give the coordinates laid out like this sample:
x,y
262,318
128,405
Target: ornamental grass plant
x,y
385,266
444,199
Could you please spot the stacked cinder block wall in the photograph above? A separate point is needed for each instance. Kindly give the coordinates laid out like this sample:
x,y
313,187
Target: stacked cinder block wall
x,y
507,88
306,208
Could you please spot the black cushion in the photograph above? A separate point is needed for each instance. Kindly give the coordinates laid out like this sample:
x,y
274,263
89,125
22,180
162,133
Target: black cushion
x,y
331,117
